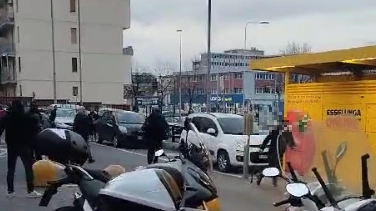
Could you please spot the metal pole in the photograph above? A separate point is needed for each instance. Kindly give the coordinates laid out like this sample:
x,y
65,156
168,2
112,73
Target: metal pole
x,y
53,53
208,84
180,67
79,47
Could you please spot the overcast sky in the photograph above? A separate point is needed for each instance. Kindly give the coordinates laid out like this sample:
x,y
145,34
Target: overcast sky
x,y
323,24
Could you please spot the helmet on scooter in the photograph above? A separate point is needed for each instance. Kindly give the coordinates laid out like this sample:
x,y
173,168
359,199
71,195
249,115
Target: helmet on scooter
x,y
62,146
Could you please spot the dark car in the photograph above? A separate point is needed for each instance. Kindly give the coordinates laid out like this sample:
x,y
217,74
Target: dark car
x,y
121,129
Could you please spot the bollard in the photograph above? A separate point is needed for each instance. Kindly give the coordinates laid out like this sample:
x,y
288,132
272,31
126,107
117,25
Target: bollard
x,y
248,130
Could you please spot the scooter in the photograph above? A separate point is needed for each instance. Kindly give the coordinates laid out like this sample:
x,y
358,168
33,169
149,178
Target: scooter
x,y
192,167
299,190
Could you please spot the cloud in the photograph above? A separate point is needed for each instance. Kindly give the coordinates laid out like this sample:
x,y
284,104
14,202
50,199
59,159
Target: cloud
x,y
324,24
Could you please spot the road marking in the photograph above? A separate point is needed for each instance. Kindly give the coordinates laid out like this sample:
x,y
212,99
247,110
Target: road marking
x,y
164,159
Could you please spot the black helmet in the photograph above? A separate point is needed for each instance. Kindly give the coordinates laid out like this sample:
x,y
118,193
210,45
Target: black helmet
x,y
63,146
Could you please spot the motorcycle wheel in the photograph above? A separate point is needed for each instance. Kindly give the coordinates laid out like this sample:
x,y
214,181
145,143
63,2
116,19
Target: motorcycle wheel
x,y
66,209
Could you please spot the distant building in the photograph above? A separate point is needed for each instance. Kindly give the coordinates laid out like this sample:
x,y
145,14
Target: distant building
x,y
26,49
232,82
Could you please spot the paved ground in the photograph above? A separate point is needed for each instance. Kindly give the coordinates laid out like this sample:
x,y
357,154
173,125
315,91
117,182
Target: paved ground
x,y
235,194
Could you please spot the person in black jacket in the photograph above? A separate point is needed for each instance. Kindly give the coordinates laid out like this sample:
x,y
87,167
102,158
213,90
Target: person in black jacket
x,y
15,124
82,125
53,116
34,127
279,138
94,117
156,130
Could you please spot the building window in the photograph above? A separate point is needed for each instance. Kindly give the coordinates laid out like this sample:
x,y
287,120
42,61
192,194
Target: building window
x,y
227,91
18,34
75,91
16,5
20,87
213,77
19,64
72,5
238,75
259,90
214,91
238,90
226,77
74,35
195,78
74,65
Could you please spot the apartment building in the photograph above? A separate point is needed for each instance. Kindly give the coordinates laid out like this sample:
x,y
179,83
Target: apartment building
x,y
29,32
231,81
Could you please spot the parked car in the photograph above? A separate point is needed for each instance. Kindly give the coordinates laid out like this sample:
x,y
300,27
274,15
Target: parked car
x,y
223,135
121,128
65,118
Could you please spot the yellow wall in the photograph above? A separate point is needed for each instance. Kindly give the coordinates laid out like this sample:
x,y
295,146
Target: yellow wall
x,y
317,98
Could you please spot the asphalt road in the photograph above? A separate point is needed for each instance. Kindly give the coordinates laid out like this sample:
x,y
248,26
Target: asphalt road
x,y
235,194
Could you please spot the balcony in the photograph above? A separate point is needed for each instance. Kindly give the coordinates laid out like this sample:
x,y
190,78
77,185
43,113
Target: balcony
x,y
8,74
6,18
6,47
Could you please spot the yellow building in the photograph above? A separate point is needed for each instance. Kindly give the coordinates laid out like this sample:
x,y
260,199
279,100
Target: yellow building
x,y
330,83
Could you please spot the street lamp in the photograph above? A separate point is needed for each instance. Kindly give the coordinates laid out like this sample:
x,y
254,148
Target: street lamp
x,y
245,46
246,26
180,67
208,84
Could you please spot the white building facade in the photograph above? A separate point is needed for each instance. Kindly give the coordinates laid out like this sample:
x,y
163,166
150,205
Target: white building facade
x,y
27,43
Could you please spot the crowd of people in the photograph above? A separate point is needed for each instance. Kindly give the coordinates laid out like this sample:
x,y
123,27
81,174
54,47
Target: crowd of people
x,y
21,130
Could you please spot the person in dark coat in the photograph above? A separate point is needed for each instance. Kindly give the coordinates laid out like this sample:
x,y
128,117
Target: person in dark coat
x,y
34,127
278,139
82,125
53,116
156,130
15,124
94,117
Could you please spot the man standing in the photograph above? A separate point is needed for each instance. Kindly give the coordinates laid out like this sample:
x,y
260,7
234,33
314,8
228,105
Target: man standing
x,y
18,145
33,128
94,117
156,130
279,138
82,125
53,116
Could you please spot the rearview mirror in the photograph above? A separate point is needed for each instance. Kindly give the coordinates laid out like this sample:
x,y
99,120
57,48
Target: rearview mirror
x,y
270,172
159,153
297,189
211,131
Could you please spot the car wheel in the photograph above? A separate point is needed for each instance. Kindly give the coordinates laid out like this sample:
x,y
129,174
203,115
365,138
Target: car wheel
x,y
223,161
100,140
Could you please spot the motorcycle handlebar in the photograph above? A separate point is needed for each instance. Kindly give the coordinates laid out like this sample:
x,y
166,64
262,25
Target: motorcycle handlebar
x,y
280,203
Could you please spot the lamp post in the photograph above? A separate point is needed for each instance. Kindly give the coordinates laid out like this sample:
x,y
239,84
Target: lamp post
x,y
245,47
208,84
53,53
180,67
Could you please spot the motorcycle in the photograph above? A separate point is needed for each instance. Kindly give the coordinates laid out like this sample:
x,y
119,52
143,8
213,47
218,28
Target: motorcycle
x,y
146,189
192,167
337,149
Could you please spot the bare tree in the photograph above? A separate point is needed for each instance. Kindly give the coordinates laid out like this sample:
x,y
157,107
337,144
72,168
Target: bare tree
x,y
294,48
164,71
190,87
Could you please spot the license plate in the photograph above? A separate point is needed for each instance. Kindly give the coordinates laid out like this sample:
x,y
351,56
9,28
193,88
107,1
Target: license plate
x,y
139,137
263,156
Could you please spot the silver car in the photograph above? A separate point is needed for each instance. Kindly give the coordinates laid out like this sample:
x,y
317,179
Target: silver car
x,y
64,118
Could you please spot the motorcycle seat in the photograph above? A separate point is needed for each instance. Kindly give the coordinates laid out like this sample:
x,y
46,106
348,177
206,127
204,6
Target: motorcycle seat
x,y
99,175
175,174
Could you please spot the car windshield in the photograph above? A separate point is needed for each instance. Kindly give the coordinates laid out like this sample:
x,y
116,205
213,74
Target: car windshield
x,y
66,113
129,118
235,125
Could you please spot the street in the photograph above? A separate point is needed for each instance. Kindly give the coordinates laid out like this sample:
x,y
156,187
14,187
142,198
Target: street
x,y
235,194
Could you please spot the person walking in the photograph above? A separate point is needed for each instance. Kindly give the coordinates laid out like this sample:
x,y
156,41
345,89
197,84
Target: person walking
x,y
82,125
34,126
14,124
52,116
94,117
279,138
156,130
